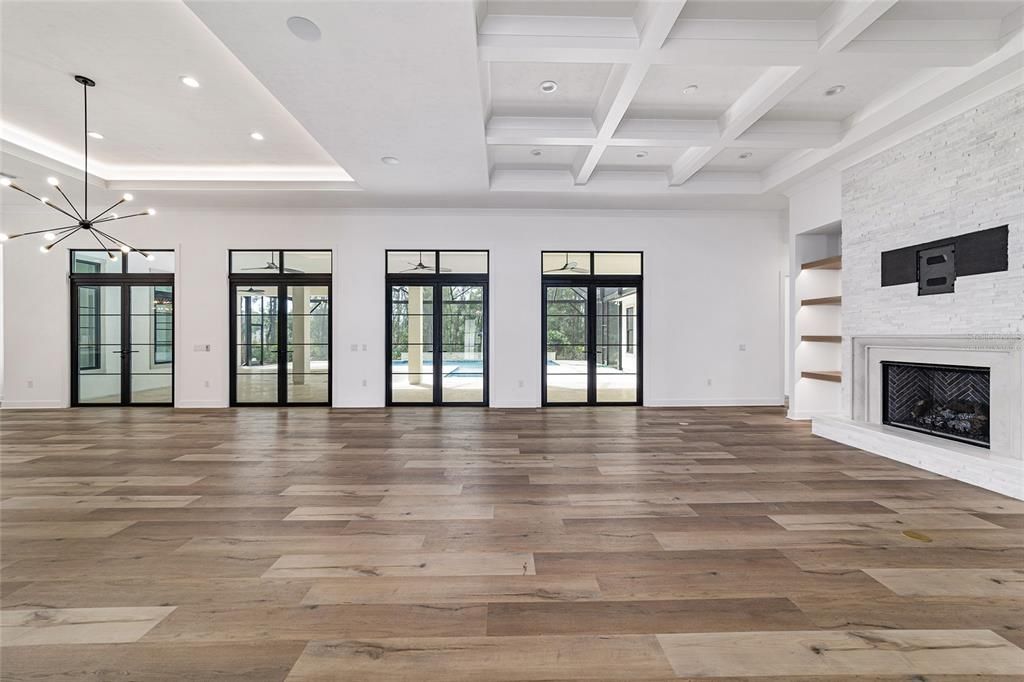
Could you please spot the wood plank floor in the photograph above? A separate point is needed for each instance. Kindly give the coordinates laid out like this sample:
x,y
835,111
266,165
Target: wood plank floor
x,y
456,544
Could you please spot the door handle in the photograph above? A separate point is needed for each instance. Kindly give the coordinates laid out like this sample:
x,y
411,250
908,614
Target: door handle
x,y
122,352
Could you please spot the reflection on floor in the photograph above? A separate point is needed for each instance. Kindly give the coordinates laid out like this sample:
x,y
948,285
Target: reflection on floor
x,y
455,389
468,544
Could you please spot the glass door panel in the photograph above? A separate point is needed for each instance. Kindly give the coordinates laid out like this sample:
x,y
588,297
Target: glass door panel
x,y
256,323
462,339
308,329
566,347
151,344
617,351
412,344
99,344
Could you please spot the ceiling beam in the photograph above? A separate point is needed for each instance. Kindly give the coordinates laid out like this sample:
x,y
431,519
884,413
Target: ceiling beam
x,y
837,27
643,132
658,19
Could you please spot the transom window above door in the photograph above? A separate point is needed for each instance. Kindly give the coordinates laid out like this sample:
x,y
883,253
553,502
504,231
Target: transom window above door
x,y
280,262
85,261
437,262
570,263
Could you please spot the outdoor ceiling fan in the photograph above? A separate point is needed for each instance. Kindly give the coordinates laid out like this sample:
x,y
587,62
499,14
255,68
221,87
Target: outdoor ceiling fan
x,y
420,266
569,266
271,265
251,290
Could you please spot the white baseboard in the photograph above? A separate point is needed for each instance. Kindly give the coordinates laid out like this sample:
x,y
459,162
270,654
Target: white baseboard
x,y
958,461
804,416
774,401
33,405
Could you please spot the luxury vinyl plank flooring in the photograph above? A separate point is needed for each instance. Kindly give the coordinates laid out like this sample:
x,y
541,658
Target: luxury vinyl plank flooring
x,y
462,544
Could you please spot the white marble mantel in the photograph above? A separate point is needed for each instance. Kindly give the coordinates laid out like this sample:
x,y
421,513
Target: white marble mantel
x,y
999,468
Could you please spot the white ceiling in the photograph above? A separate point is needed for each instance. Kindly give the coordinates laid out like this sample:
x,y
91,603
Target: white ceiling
x,y
451,88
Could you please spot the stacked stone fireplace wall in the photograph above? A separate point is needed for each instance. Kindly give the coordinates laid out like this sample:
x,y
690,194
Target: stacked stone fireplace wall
x,y
961,176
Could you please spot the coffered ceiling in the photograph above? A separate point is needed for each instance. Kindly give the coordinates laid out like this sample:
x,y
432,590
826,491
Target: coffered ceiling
x,y
657,103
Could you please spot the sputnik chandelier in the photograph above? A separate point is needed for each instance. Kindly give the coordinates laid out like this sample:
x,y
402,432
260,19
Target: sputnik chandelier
x,y
82,223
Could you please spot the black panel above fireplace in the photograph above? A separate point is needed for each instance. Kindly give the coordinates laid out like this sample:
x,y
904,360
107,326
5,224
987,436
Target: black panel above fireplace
x,y
942,400
973,253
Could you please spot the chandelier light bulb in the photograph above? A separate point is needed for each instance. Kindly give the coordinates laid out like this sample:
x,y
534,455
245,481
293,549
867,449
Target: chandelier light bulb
x,y
150,256
45,248
3,237
151,211
45,200
127,196
113,215
6,182
53,181
49,236
112,256
125,248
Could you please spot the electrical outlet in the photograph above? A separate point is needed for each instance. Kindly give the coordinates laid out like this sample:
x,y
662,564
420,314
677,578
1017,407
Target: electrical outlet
x,y
709,382
30,383
354,347
521,383
364,383
364,346
206,384
743,346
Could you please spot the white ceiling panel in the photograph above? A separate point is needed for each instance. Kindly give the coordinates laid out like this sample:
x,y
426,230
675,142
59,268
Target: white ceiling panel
x,y
515,88
759,159
661,94
639,158
519,156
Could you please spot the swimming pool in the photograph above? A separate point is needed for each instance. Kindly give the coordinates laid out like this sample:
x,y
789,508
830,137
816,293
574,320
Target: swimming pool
x,y
467,368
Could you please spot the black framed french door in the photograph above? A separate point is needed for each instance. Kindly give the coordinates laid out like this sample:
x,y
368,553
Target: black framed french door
x,y
438,343
122,340
592,340
281,340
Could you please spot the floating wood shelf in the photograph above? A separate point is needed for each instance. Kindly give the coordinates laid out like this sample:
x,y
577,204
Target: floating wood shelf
x,y
827,300
822,339
831,263
823,375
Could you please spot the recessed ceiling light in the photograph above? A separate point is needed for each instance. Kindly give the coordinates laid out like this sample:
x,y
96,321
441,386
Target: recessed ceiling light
x,y
690,89
641,155
548,86
389,160
189,81
303,29
256,135
746,155
536,152
834,90
94,135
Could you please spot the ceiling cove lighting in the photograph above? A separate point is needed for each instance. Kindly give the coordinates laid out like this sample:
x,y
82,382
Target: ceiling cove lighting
x,y
80,222
548,87
189,81
834,90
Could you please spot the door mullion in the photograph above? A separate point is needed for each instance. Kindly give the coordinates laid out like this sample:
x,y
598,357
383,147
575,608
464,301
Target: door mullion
x,y
437,318
282,344
126,344
591,344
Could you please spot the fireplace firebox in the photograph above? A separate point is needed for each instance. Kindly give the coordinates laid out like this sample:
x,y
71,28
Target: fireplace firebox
x,y
942,400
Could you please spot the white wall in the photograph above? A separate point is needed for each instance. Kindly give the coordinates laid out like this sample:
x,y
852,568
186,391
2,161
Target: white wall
x,y
711,284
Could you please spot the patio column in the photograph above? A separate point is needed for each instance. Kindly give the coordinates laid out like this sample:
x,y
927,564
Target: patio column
x,y
415,334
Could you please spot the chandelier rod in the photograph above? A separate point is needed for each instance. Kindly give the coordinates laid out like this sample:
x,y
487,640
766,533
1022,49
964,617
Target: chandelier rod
x,y
69,202
85,137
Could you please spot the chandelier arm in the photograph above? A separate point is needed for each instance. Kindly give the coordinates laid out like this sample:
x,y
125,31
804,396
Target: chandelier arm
x,y
110,254
40,200
69,202
120,217
112,206
118,241
52,229
53,244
